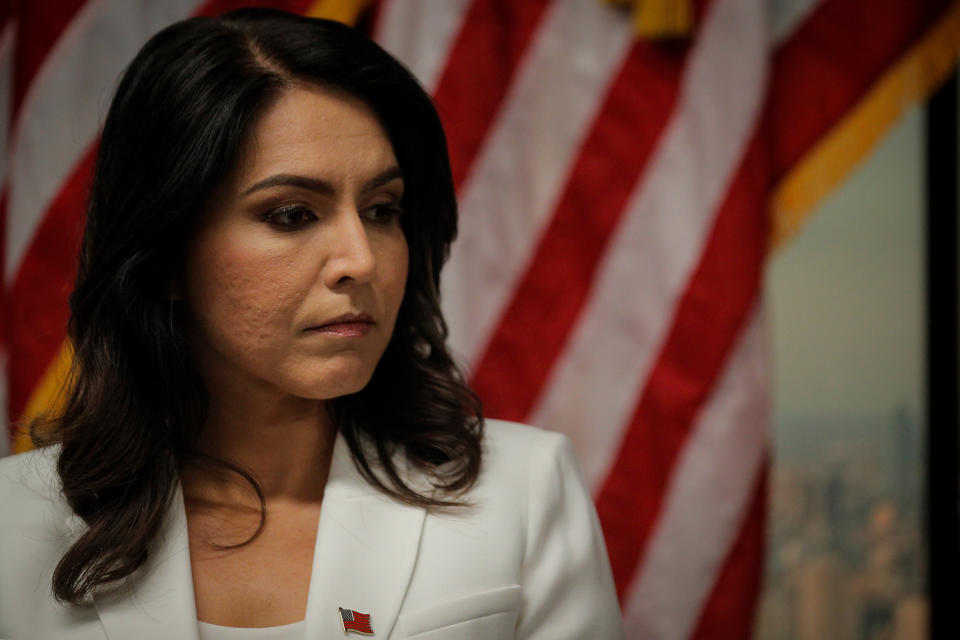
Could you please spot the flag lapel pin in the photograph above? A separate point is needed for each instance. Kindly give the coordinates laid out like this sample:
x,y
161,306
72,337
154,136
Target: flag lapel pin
x,y
355,621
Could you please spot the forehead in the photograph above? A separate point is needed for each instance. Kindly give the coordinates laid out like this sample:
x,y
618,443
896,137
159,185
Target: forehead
x,y
318,132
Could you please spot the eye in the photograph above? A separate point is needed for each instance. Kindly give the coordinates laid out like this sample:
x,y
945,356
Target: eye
x,y
383,213
290,217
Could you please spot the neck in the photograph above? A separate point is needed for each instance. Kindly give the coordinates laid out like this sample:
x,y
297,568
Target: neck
x,y
285,443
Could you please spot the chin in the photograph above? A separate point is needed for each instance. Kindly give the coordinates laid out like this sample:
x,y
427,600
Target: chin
x,y
333,383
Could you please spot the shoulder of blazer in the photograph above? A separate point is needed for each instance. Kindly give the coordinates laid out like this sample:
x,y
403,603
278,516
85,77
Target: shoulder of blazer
x,y
513,451
29,477
34,508
34,532
510,442
518,462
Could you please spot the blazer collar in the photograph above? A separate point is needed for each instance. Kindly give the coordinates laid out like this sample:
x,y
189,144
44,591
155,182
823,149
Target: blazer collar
x,y
367,545
364,556
158,603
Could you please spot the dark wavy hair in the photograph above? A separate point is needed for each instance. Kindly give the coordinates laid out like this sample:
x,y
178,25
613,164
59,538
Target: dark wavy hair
x,y
135,402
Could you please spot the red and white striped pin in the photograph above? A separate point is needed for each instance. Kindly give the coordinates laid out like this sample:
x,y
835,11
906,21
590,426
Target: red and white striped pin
x,y
355,621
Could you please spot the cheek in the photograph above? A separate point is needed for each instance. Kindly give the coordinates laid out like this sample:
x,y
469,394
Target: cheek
x,y
395,276
241,294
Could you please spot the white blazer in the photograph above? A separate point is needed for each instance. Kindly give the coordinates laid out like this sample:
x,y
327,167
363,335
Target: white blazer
x,y
527,561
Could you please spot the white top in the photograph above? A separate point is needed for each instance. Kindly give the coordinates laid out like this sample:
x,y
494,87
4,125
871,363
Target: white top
x,y
292,631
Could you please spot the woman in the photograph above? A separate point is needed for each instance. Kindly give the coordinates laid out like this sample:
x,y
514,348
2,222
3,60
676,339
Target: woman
x,y
265,435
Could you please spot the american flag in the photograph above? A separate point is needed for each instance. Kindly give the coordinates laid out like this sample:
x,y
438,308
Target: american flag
x,y
622,180
355,621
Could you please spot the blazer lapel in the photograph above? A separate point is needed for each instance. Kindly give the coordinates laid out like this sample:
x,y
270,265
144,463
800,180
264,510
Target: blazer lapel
x,y
367,545
365,552
159,604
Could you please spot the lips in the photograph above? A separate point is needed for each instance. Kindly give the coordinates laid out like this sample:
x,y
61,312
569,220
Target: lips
x,y
347,325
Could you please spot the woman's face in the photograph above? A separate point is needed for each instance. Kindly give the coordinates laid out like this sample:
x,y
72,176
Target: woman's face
x,y
297,272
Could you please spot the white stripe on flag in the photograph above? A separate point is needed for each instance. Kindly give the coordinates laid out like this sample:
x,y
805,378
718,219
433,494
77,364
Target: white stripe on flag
x,y
420,33
513,188
592,391
63,109
707,497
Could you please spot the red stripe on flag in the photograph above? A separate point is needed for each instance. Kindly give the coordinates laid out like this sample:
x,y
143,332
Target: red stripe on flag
x,y
5,377
710,316
527,341
370,18
480,67
37,301
40,25
730,609
831,61
4,309
6,12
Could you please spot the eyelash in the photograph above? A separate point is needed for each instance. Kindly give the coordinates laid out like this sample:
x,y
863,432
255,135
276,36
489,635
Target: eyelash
x,y
384,214
389,211
274,217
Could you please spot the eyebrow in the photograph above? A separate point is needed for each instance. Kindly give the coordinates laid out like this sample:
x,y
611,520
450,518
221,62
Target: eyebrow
x,y
321,186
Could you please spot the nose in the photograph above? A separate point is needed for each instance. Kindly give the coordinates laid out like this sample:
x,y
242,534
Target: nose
x,y
351,256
